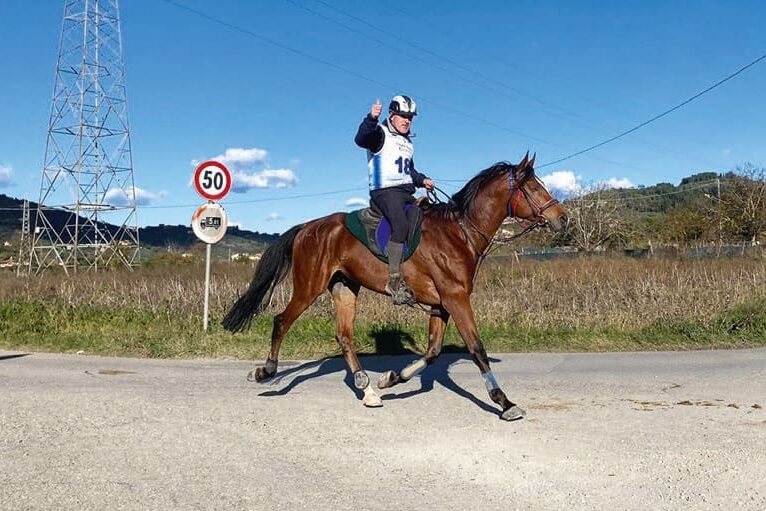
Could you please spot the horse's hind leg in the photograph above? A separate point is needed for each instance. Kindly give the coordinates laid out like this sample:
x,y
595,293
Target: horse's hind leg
x,y
344,295
437,326
305,291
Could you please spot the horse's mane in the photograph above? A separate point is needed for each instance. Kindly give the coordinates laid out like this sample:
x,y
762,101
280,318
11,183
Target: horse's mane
x,y
461,200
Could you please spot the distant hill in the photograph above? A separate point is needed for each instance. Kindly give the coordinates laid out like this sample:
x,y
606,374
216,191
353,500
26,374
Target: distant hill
x,y
664,197
178,237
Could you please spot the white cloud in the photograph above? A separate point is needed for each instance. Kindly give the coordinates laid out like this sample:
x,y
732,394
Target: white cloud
x,y
561,183
273,216
238,156
120,197
565,183
5,175
614,182
356,201
269,178
249,169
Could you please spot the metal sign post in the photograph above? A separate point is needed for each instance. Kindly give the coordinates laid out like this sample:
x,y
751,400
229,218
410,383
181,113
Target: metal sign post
x,y
212,180
207,285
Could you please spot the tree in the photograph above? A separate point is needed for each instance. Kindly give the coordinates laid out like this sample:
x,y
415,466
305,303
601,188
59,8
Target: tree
x,y
685,225
743,203
596,219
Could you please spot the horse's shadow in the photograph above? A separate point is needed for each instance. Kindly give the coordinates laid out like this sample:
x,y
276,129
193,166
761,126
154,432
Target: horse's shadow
x,y
394,349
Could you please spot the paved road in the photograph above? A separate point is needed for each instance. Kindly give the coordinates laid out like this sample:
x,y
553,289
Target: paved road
x,y
607,431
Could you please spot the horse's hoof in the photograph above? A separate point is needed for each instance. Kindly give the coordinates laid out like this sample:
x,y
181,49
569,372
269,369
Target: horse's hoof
x,y
259,374
371,400
513,413
386,380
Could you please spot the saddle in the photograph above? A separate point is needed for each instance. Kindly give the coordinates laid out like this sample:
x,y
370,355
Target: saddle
x,y
371,228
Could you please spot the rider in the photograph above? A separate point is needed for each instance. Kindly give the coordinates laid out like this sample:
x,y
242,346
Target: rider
x,y
393,179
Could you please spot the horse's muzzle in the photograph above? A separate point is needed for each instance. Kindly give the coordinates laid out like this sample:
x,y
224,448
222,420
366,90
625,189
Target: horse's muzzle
x,y
559,223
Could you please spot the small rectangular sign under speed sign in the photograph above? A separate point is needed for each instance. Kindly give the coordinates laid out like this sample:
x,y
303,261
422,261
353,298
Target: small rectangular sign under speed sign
x,y
209,223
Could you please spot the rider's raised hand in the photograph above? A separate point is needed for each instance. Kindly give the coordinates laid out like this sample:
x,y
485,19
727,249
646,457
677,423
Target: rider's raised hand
x,y
429,184
375,110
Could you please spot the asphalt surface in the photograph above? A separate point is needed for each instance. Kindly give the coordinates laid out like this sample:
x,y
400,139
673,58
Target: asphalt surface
x,y
603,431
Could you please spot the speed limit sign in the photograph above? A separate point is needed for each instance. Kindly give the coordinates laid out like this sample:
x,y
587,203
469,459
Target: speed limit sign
x,y
212,180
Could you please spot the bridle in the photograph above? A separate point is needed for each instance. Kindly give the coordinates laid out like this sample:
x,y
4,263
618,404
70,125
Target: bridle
x,y
516,187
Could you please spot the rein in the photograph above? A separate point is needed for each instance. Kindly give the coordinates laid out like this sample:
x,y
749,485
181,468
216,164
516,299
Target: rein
x,y
515,186
482,253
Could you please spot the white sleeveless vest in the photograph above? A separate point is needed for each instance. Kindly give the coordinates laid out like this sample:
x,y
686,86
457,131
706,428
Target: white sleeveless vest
x,y
391,165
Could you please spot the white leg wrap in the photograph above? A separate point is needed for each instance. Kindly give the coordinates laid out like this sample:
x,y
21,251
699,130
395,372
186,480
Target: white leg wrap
x,y
271,366
413,369
490,381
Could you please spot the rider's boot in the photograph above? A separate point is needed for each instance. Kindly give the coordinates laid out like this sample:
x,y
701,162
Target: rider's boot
x,y
397,287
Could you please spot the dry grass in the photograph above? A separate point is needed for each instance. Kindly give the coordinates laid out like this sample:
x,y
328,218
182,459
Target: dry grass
x,y
620,292
588,294
581,292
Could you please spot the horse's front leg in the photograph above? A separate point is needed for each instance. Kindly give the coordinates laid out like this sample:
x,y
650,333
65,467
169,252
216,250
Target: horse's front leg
x,y
462,312
437,325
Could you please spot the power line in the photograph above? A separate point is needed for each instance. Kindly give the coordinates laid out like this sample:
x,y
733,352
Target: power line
x,y
269,199
344,69
457,75
465,114
448,60
228,203
663,114
460,112
379,83
697,186
451,36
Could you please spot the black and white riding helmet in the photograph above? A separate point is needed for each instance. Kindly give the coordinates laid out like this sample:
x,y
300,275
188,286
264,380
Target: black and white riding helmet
x,y
403,105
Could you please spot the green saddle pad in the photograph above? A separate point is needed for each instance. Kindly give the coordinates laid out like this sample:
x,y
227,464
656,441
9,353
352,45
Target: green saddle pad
x,y
363,224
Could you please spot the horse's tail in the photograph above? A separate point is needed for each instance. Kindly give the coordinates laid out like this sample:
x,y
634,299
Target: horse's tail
x,y
271,270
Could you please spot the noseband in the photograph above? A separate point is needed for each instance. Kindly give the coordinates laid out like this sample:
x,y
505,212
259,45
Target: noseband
x,y
516,186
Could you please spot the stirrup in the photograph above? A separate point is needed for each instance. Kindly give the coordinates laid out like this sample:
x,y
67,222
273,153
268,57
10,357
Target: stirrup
x,y
399,291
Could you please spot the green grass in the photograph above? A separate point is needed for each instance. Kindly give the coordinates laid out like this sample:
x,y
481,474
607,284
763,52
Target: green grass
x,y
123,331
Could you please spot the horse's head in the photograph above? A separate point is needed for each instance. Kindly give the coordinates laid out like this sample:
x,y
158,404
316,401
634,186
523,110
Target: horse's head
x,y
530,199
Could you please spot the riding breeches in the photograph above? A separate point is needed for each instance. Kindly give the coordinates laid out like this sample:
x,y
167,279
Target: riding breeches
x,y
391,202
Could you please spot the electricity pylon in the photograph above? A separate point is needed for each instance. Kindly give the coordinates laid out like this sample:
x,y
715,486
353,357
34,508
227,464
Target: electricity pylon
x,y
86,216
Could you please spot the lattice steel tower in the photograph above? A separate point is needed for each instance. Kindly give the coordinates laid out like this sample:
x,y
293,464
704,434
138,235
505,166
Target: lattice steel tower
x,y
86,216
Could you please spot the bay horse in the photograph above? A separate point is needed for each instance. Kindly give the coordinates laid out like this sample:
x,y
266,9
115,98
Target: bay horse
x,y
324,255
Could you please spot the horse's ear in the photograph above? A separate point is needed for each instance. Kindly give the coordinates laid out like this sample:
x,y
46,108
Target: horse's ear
x,y
523,163
532,161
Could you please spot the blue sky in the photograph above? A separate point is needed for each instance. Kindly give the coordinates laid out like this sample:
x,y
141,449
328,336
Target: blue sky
x,y
492,80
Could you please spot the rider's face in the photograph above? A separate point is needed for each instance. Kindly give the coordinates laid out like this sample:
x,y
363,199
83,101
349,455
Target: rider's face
x,y
401,123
